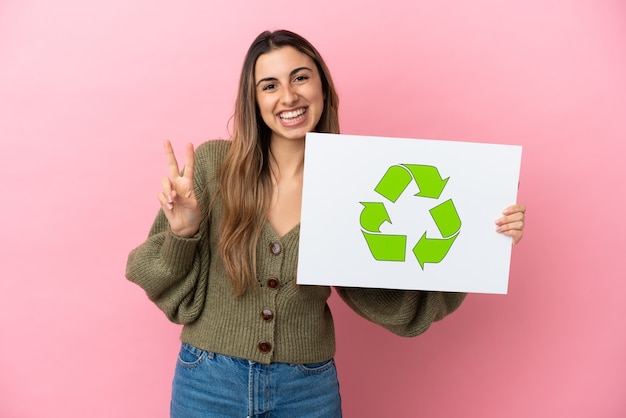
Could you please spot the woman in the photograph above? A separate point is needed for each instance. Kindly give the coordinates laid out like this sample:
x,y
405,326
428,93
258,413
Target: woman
x,y
221,255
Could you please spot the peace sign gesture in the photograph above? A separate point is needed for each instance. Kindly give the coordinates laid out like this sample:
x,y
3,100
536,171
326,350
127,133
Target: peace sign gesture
x,y
178,198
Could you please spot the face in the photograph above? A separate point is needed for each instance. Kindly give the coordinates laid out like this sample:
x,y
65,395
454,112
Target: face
x,y
289,93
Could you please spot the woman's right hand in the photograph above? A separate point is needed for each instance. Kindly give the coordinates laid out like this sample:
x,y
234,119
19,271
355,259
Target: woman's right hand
x,y
178,198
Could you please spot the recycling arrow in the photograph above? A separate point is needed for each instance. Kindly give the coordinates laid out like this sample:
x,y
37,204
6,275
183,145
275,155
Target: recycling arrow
x,y
428,249
386,247
393,183
446,218
428,180
374,214
432,250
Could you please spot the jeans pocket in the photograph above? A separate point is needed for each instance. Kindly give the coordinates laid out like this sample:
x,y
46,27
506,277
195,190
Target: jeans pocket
x,y
191,357
316,368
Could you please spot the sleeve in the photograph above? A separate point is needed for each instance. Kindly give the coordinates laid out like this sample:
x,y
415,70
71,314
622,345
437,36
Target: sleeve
x,y
167,267
174,270
404,312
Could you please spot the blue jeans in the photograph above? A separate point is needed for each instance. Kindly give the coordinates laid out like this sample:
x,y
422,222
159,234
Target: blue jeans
x,y
208,385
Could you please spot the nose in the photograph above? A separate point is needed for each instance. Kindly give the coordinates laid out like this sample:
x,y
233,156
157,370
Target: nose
x,y
289,96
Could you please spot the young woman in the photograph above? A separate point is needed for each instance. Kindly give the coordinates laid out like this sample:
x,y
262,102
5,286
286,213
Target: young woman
x,y
222,253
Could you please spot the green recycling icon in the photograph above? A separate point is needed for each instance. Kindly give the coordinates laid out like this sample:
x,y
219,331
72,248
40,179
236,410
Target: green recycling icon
x,y
428,249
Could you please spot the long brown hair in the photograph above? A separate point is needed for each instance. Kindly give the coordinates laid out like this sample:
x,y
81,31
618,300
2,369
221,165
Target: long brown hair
x,y
244,179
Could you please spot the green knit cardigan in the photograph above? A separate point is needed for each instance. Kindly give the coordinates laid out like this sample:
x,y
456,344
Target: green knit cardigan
x,y
279,321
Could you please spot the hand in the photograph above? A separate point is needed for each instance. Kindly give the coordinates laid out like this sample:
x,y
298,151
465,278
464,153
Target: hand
x,y
512,223
178,198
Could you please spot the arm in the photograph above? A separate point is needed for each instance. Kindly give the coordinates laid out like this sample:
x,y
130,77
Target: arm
x,y
404,312
171,266
168,268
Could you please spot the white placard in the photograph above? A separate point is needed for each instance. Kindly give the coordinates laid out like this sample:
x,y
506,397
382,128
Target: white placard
x,y
406,213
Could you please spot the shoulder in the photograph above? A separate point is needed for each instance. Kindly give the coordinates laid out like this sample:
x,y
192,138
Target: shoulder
x,y
212,151
208,158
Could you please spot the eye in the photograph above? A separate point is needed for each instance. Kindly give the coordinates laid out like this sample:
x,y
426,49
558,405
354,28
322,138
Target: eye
x,y
300,78
269,87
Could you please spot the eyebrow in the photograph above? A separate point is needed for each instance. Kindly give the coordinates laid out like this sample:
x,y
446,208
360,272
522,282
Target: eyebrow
x,y
291,74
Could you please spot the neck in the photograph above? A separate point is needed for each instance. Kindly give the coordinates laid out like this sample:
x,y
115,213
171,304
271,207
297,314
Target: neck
x,y
287,158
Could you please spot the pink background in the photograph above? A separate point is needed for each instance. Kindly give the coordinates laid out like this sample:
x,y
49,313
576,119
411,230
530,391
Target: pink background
x,y
89,90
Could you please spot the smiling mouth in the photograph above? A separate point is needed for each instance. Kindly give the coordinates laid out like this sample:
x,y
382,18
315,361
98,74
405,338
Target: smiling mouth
x,y
292,116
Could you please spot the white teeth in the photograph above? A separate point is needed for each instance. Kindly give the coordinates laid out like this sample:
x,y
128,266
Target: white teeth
x,y
291,115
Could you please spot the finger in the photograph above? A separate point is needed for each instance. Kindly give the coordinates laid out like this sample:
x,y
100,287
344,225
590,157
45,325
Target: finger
x,y
190,162
511,226
163,200
166,185
516,217
513,217
513,209
171,159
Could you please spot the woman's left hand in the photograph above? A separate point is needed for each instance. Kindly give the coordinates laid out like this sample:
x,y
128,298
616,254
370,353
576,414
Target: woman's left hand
x,y
512,222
